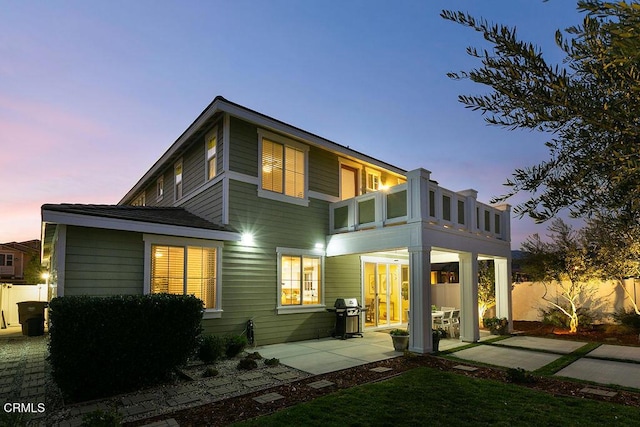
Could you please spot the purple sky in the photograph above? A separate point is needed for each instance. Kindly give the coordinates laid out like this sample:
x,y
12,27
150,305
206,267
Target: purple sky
x,y
92,93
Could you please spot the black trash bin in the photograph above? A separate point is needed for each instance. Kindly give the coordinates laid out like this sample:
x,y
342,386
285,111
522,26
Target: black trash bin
x,y
31,317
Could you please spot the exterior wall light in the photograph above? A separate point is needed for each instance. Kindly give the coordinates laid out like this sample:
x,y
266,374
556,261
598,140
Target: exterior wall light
x,y
246,239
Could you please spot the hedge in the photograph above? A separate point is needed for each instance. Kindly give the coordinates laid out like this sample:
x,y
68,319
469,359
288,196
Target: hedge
x,y
104,346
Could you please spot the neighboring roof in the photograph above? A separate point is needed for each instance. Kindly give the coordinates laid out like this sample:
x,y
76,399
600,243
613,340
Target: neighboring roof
x,y
175,216
220,104
27,247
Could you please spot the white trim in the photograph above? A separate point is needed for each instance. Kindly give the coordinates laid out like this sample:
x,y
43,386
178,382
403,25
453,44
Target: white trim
x,y
61,258
136,226
225,201
177,164
294,309
226,141
160,184
213,131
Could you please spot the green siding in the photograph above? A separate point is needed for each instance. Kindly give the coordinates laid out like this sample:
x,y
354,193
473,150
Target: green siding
x,y
193,163
103,262
324,172
366,211
243,147
207,204
249,277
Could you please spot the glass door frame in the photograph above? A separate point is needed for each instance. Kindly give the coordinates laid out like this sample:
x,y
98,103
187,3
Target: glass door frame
x,y
395,291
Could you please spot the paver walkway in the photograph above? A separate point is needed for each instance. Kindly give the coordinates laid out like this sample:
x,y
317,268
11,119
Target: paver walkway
x,y
534,353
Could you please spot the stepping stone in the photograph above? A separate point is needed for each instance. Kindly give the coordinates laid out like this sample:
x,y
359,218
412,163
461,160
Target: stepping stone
x,y
381,369
182,400
136,409
277,370
259,382
285,376
250,376
320,384
216,382
134,400
171,422
226,389
465,368
598,392
269,397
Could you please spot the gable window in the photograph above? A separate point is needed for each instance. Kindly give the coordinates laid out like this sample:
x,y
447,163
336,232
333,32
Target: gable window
x,y
211,141
185,270
140,200
299,278
160,188
283,166
177,174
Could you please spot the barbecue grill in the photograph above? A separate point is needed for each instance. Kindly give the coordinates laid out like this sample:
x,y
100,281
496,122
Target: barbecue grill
x,y
347,318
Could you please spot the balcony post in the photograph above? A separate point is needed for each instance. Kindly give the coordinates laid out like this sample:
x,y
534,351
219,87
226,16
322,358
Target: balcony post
x,y
470,197
418,195
505,221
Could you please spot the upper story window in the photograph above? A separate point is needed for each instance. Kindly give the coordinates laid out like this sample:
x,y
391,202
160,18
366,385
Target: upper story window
x,y
283,171
373,180
211,141
177,174
141,200
160,188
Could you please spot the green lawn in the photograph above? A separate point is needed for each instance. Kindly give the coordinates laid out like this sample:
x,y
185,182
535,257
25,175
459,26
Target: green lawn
x,y
426,396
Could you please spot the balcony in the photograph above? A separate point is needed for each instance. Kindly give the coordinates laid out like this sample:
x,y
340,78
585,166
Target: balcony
x,y
420,199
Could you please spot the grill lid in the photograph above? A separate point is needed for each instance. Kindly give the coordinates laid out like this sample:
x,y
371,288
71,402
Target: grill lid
x,y
342,303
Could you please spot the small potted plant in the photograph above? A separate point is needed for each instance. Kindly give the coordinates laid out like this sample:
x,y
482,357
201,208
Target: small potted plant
x,y
437,335
400,338
496,325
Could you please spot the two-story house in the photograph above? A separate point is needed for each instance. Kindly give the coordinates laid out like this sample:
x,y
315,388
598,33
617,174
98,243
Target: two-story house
x,y
265,221
14,258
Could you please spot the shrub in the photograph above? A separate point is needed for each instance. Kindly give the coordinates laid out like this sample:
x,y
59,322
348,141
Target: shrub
x,y
100,418
255,356
211,348
235,344
519,376
247,364
399,332
272,362
210,372
628,318
554,316
104,346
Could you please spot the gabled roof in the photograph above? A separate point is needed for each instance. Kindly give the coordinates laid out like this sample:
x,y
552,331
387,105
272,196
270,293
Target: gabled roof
x,y
151,214
222,105
29,246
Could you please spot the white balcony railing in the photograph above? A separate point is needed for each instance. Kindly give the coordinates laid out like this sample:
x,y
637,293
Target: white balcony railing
x,y
420,200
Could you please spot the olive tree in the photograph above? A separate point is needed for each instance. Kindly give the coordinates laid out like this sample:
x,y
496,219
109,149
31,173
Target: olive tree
x,y
588,105
563,265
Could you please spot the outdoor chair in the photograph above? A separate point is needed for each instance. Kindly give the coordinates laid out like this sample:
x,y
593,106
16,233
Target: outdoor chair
x,y
443,322
455,323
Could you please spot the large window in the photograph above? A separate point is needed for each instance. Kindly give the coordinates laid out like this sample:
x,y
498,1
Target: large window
x,y
300,279
283,168
212,146
189,270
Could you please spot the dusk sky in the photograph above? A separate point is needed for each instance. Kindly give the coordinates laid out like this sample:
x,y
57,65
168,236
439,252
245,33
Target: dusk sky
x,y
92,93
